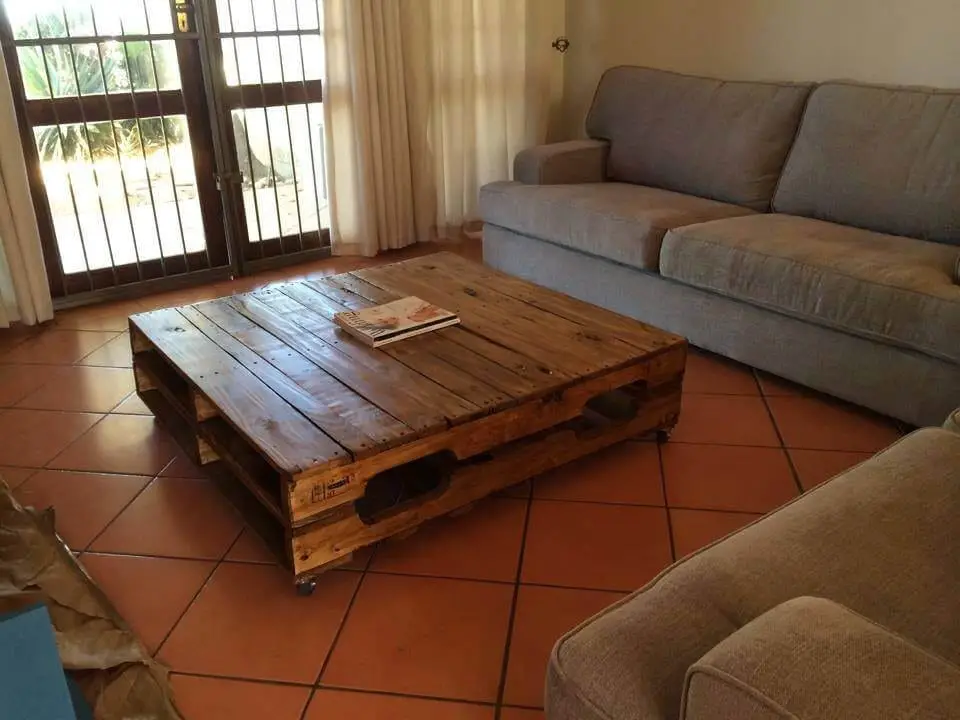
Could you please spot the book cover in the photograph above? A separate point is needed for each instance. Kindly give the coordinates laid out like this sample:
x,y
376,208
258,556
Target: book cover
x,y
395,321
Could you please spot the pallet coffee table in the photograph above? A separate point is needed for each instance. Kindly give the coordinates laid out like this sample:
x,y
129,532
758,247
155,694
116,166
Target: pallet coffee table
x,y
329,446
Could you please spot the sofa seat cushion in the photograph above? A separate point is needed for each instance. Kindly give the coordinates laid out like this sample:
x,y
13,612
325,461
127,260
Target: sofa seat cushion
x,y
884,287
618,221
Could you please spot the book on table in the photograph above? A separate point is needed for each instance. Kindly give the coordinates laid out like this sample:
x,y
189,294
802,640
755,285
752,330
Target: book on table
x,y
395,321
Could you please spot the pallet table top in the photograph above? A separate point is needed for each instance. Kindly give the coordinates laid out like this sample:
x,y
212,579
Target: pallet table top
x,y
311,398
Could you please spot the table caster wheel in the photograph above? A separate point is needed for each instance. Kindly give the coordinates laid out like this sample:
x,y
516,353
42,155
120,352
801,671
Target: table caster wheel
x,y
663,436
305,588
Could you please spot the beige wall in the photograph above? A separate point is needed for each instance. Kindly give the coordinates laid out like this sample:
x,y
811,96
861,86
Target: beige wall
x,y
891,41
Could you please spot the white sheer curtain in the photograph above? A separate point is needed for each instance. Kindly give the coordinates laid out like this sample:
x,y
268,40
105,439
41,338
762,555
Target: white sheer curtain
x,y
24,293
425,101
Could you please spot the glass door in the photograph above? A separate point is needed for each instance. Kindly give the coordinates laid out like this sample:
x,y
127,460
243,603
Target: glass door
x,y
271,55
169,141
117,140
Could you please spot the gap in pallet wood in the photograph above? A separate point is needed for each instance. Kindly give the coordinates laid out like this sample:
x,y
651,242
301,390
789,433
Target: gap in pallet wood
x,y
618,405
393,490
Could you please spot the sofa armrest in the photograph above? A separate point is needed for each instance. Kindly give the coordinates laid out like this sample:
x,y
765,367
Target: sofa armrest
x,y
812,659
566,163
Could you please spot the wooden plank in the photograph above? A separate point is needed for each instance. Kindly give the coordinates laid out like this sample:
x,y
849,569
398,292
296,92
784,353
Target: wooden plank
x,y
422,377
429,393
336,291
352,288
356,294
532,373
290,441
539,337
544,377
592,340
314,493
640,335
416,353
387,392
482,326
322,542
359,426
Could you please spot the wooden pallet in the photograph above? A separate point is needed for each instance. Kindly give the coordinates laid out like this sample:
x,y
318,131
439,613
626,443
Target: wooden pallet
x,y
331,446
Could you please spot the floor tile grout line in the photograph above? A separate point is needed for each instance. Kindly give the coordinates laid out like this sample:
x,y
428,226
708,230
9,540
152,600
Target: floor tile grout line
x,y
416,696
502,684
103,416
756,381
121,511
383,573
101,472
783,444
663,485
609,503
113,410
45,333
340,688
124,508
203,585
186,609
336,639
236,540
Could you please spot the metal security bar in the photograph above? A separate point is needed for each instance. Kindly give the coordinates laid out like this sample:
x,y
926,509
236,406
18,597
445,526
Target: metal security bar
x,y
272,55
144,176
116,139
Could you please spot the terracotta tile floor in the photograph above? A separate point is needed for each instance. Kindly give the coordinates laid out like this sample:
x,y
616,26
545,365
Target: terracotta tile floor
x,y
455,622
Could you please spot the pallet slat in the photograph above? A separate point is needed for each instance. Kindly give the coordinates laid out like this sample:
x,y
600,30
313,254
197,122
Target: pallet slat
x,y
569,348
360,427
441,344
532,373
641,336
310,495
388,393
322,543
415,353
396,380
327,445
290,441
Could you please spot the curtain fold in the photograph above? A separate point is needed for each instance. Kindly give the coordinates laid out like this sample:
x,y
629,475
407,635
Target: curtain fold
x,y
24,292
426,101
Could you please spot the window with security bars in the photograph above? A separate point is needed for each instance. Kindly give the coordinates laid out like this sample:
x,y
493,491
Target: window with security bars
x,y
169,138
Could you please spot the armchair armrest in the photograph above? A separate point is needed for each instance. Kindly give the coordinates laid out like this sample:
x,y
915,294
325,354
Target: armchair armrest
x,y
566,163
812,659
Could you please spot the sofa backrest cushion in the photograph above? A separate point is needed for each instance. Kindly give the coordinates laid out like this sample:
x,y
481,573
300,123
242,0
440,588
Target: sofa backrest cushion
x,y
881,158
721,140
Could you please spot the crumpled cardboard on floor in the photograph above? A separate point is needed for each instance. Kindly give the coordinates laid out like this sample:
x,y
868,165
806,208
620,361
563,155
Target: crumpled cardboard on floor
x,y
115,672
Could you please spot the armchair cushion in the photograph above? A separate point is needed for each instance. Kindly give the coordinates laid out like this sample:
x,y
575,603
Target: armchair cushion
x,y
812,659
879,539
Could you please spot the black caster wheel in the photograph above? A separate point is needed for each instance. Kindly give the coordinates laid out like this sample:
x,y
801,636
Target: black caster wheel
x,y
305,588
663,436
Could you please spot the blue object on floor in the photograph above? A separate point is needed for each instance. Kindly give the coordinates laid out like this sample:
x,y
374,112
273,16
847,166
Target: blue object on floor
x,y
32,683
81,709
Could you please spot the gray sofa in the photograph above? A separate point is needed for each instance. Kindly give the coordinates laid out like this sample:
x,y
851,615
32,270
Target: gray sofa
x,y
840,605
812,232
